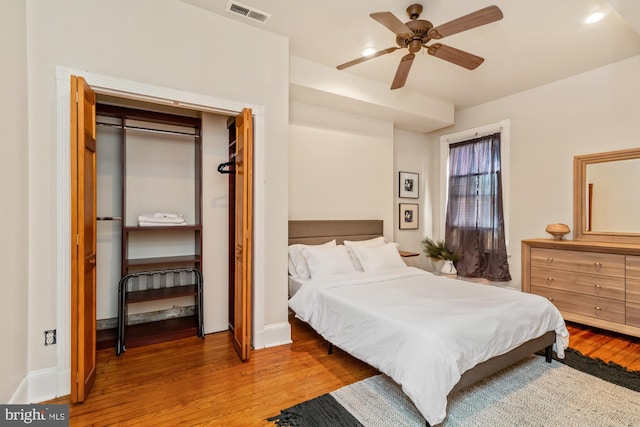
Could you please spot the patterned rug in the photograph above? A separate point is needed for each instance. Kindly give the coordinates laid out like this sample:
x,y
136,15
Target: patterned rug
x,y
529,393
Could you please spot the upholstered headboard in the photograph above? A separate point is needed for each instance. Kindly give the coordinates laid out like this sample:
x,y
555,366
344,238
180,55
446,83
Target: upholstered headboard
x,y
313,232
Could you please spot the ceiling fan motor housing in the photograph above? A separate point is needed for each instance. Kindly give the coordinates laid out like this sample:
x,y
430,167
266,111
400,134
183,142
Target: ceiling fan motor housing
x,y
413,42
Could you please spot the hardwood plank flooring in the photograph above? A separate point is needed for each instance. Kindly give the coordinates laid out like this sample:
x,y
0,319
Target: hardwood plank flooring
x,y
198,382
202,382
608,346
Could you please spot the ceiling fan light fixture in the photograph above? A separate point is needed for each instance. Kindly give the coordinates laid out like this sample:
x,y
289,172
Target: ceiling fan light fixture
x,y
367,51
596,16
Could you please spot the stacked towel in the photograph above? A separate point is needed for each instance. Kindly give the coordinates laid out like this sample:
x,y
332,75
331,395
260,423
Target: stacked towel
x,y
160,219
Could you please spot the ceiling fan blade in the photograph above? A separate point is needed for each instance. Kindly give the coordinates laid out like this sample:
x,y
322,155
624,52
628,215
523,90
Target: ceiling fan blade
x,y
475,19
366,58
455,56
403,71
390,21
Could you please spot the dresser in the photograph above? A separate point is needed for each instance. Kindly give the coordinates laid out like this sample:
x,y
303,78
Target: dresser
x,y
592,283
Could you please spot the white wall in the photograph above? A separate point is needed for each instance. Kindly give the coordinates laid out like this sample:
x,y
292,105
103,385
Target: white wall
x,y
412,153
215,220
588,113
340,166
165,43
13,193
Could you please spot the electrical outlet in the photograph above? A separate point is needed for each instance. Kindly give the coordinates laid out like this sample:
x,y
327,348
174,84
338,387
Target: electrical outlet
x,y
50,337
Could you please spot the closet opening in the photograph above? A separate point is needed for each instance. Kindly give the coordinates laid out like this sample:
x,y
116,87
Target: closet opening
x,y
152,167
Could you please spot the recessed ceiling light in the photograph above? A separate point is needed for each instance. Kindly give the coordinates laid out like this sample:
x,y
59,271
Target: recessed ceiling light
x,y
367,51
595,17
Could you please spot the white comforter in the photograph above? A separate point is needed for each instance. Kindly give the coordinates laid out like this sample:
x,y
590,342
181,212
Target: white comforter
x,y
422,330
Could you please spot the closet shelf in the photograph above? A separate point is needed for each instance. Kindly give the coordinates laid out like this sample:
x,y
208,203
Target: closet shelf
x,y
189,227
160,331
161,293
167,260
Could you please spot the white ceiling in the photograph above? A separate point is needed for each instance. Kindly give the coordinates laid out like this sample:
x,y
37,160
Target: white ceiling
x,y
537,41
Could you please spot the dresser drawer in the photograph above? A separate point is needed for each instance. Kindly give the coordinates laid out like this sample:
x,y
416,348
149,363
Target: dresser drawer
x,y
584,262
597,285
600,308
633,279
633,314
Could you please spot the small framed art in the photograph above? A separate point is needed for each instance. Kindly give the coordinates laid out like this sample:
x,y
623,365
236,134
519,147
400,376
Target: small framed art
x,y
408,216
409,188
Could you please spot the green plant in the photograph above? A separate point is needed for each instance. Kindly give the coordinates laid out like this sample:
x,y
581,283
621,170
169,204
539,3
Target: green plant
x,y
438,249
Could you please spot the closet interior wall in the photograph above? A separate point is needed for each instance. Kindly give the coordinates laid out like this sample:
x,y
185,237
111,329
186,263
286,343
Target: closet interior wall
x,y
147,162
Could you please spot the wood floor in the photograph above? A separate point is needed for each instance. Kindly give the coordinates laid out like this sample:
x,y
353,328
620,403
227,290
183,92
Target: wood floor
x,y
198,382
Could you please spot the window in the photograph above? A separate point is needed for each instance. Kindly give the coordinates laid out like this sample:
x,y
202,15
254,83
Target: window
x,y
473,208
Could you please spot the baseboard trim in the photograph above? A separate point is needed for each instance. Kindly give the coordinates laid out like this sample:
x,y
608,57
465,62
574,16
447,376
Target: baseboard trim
x,y
272,335
41,385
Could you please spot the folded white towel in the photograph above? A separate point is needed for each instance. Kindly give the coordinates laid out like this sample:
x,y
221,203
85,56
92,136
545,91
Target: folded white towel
x,y
166,215
160,224
151,218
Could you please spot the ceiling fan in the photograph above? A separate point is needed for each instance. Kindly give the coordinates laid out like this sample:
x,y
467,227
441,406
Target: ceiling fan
x,y
415,34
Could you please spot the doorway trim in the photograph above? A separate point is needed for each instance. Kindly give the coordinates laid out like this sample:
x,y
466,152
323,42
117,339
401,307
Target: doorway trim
x,y
107,85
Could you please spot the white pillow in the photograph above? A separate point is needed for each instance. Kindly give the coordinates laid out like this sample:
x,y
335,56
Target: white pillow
x,y
297,263
376,241
326,261
376,258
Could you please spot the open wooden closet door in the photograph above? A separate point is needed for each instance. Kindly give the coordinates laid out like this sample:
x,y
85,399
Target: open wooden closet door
x,y
243,234
83,239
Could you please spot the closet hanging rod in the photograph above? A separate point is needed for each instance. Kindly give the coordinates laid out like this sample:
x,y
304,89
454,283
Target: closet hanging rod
x,y
143,129
109,218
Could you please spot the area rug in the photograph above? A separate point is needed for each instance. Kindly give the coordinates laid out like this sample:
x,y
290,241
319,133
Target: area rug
x,y
529,393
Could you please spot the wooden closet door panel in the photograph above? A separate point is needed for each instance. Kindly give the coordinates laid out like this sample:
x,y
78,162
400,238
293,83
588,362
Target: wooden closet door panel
x,y
244,234
83,235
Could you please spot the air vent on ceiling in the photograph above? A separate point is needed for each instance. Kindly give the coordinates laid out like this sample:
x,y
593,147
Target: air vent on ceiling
x,y
247,11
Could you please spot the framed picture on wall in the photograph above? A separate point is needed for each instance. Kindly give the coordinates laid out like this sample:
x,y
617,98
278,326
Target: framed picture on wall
x,y
408,216
409,188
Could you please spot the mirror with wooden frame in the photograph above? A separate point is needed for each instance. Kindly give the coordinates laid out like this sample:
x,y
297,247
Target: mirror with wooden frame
x,y
606,196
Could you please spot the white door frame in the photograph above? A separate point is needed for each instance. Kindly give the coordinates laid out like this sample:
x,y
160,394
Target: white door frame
x,y
160,95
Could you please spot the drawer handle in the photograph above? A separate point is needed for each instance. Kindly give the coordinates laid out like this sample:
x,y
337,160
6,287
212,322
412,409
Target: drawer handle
x,y
549,259
597,308
550,299
549,279
597,265
597,286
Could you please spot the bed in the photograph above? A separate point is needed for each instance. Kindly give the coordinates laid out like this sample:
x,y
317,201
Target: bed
x,y
431,334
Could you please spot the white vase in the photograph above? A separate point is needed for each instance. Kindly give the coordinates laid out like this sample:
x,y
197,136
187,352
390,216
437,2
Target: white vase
x,y
448,268
436,264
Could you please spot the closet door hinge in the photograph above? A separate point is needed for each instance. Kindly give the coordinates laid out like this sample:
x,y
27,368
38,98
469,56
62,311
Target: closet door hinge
x,y
77,239
76,97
